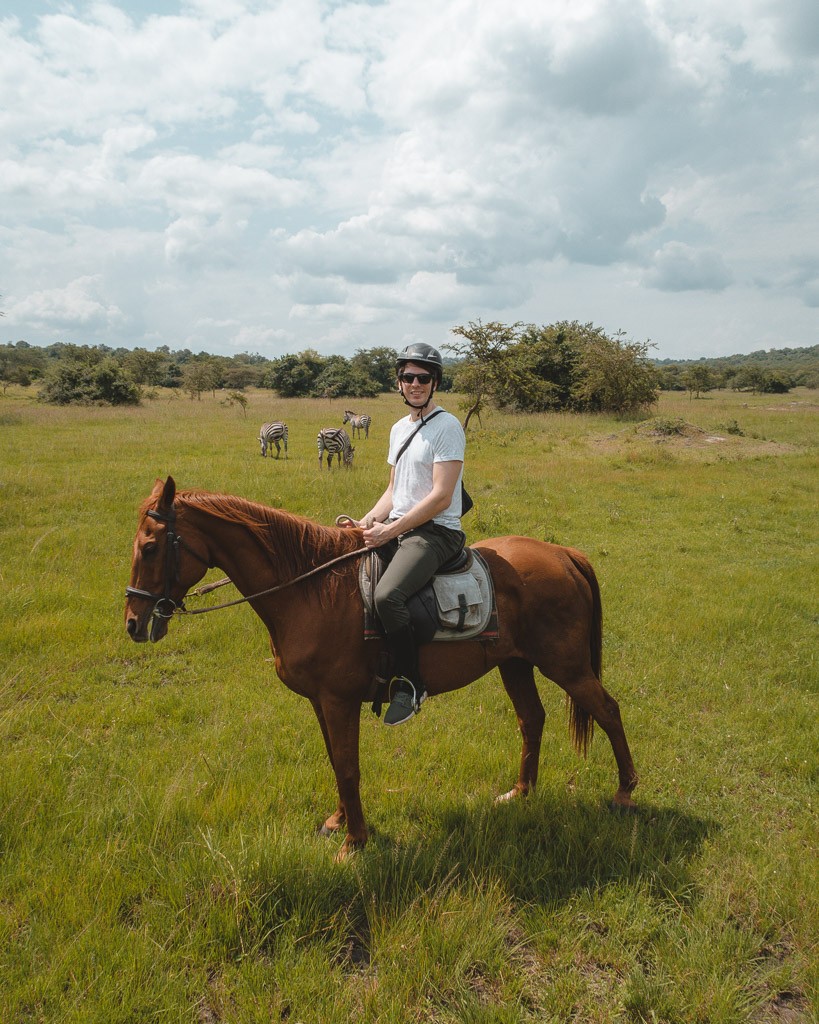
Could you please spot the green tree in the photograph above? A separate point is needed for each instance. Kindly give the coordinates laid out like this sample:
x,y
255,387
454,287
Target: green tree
x,y
293,376
545,366
237,398
484,374
749,378
74,381
615,375
378,364
699,378
114,385
776,383
340,379
241,375
200,375
20,364
172,377
670,378
145,367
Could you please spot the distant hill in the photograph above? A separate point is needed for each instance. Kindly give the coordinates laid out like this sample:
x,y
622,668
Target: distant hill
x,y
796,366
772,359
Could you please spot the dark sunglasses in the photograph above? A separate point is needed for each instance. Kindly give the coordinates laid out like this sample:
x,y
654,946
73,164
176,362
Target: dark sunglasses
x,y
408,378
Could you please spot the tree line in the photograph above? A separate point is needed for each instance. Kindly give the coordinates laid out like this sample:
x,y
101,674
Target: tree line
x,y
767,372
84,374
524,367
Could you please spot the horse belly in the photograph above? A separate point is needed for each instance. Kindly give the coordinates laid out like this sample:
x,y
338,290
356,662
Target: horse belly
x,y
450,665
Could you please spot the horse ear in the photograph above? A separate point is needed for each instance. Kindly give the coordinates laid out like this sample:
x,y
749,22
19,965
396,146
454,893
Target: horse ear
x,y
168,493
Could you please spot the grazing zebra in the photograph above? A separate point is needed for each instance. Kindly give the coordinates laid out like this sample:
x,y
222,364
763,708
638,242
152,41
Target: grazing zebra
x,y
357,422
334,441
270,434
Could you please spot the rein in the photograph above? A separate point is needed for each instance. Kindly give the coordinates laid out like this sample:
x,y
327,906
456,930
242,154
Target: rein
x,y
182,610
172,557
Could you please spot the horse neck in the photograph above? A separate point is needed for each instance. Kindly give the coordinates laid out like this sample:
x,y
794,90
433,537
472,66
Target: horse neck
x,y
259,547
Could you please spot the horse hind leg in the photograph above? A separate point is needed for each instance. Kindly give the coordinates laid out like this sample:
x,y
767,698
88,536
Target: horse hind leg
x,y
591,703
519,681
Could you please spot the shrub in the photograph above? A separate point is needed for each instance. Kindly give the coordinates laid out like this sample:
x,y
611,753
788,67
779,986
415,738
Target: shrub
x,y
74,382
615,376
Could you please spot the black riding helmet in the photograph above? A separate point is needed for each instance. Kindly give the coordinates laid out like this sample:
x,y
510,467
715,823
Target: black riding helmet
x,y
424,355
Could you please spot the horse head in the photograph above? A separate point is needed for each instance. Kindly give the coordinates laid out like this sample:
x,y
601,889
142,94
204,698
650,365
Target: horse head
x,y
162,569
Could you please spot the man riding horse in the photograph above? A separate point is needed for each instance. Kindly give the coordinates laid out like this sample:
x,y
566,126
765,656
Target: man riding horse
x,y
420,510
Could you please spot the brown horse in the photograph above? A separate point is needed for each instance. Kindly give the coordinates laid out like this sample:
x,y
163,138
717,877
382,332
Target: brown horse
x,y
548,609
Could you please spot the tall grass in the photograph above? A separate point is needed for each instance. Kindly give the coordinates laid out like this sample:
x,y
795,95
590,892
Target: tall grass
x,y
159,804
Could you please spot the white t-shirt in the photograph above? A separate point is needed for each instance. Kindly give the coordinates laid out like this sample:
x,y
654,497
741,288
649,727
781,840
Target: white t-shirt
x,y
440,440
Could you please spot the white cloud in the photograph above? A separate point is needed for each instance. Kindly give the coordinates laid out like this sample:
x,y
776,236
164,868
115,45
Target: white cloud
x,y
77,305
680,268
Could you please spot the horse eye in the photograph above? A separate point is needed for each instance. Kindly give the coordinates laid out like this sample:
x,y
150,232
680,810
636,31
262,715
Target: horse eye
x,y
149,549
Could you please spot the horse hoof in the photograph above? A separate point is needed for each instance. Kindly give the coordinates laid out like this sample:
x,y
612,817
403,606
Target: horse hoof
x,y
347,851
515,793
616,808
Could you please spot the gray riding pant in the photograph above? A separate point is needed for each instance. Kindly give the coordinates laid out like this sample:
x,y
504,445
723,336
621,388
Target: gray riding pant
x,y
421,552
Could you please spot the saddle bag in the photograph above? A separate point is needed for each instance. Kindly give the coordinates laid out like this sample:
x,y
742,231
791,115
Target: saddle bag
x,y
459,600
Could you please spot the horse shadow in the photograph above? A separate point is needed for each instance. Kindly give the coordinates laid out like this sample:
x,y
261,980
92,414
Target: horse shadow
x,y
538,853
546,848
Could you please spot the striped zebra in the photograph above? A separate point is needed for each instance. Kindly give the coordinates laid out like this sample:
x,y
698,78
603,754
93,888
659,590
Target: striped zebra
x,y
334,441
270,434
358,422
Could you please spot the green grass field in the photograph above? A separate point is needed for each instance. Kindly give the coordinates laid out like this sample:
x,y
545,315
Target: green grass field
x,y
159,803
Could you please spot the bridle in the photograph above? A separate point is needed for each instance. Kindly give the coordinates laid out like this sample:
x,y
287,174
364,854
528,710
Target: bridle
x,y
172,575
165,605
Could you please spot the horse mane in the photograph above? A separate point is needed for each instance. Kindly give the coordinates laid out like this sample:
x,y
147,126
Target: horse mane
x,y
294,544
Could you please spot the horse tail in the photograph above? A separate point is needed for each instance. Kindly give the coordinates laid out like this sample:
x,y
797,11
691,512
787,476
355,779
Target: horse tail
x,y
581,723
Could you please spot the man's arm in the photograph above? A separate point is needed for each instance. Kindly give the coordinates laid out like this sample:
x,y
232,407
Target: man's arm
x,y
444,478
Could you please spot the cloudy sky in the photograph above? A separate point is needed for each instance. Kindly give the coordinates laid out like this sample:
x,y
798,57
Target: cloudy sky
x,y
272,175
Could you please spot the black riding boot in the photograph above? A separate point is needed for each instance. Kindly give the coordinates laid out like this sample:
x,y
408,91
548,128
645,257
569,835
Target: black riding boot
x,y
406,690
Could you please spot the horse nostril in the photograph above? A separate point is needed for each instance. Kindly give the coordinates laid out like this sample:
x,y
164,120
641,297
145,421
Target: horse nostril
x,y
131,626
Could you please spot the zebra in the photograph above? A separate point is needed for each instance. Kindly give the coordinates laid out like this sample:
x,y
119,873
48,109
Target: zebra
x,y
270,434
334,441
357,422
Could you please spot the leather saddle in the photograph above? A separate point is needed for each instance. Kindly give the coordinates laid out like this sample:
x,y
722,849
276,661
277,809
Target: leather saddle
x,y
458,603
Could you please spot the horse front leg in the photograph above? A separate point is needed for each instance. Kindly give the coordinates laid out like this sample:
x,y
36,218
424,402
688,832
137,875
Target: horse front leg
x,y
338,819
519,681
342,720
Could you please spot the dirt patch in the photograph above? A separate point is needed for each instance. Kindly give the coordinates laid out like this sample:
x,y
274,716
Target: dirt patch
x,y
784,1008
681,438
663,428
790,406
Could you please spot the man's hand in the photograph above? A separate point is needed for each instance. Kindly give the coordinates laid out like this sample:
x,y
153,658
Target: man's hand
x,y
376,534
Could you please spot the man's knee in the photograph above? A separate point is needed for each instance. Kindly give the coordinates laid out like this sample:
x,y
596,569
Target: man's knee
x,y
391,609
